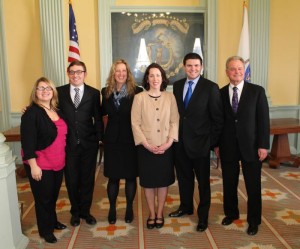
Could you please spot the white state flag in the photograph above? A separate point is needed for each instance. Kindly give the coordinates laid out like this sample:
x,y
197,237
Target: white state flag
x,y
244,46
197,49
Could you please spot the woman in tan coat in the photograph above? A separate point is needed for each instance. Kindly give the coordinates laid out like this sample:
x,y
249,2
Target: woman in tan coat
x,y
154,119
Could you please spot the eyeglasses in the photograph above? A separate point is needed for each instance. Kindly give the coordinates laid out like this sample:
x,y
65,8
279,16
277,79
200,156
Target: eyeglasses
x,y
47,88
76,72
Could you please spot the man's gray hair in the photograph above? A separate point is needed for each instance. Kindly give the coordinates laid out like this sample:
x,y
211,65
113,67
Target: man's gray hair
x,y
234,58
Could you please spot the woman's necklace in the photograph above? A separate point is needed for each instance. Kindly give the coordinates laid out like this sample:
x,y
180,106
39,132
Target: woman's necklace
x,y
47,108
154,94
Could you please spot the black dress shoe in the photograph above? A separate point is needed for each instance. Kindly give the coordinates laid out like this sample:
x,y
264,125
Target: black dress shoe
x,y
228,220
179,213
161,222
202,226
50,238
75,221
112,216
59,226
89,219
252,229
129,216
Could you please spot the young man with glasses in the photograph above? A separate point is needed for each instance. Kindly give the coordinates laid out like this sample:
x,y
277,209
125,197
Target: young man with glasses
x,y
80,104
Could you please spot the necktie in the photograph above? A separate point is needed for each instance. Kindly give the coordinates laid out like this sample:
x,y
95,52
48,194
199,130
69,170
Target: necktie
x,y
188,94
235,100
77,97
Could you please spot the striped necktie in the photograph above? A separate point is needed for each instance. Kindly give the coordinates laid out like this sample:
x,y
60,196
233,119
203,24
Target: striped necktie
x,y
77,97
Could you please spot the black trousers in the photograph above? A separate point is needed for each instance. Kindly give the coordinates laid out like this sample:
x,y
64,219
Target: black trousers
x,y
45,193
252,176
186,170
80,178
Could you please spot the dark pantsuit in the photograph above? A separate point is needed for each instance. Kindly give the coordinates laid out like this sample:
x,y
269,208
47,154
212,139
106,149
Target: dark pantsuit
x,y
186,170
45,193
80,178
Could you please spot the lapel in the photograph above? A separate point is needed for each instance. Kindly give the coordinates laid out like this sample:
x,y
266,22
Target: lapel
x,y
112,103
243,101
67,95
196,93
85,95
227,100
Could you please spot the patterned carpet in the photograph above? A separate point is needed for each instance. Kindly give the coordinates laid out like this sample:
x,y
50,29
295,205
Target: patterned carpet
x,y
280,226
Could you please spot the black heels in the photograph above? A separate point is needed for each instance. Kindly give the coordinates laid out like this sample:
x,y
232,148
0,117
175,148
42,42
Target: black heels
x,y
112,216
129,216
161,222
151,225
157,222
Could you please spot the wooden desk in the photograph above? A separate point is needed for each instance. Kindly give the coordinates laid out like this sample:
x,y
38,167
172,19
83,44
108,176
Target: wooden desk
x,y
280,151
12,135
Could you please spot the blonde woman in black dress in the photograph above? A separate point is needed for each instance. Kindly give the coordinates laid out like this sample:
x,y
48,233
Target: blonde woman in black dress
x,y
120,160
155,118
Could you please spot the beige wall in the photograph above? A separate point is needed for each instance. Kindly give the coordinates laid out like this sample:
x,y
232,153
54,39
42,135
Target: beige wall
x,y
284,52
229,29
24,50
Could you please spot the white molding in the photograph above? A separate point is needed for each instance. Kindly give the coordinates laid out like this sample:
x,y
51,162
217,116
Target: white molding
x,y
4,81
52,33
259,16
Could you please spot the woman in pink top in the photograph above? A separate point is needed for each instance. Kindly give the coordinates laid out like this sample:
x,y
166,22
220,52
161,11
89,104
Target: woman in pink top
x,y
43,140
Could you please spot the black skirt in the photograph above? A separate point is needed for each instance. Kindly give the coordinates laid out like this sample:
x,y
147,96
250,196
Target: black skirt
x,y
155,170
120,161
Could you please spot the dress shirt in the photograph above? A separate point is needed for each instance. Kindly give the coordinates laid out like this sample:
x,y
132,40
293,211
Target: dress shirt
x,y
72,91
239,90
186,85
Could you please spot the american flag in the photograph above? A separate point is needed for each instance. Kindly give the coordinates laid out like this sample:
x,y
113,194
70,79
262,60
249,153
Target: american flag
x,y
74,53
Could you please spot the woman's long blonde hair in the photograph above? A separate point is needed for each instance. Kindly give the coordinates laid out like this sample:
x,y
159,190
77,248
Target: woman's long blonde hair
x,y
111,83
33,98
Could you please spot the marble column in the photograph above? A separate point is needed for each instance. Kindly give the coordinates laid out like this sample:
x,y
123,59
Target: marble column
x,y
10,226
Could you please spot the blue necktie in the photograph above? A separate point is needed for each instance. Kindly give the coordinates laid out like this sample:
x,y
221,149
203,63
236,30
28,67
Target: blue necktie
x,y
235,100
188,94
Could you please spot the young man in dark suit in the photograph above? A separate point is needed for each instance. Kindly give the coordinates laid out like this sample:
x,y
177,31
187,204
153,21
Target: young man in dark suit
x,y
80,104
201,120
245,138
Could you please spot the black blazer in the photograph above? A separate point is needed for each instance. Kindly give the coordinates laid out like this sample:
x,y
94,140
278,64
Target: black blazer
x,y
118,129
201,123
85,122
249,128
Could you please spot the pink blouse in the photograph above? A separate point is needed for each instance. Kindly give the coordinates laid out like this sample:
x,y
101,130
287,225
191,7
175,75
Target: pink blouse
x,y
53,157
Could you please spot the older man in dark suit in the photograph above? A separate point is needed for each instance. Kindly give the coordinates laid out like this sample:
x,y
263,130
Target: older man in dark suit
x,y
80,104
201,120
245,138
